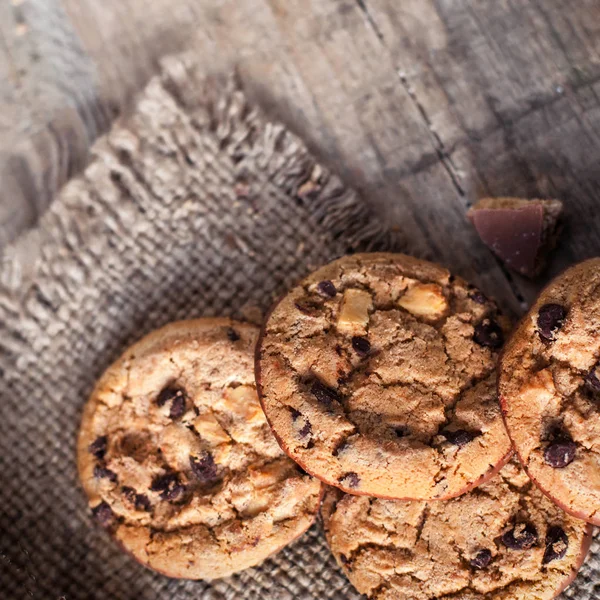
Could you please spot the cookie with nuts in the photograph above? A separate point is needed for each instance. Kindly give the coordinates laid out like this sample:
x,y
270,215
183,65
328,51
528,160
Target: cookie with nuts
x,y
377,375
550,390
504,540
178,460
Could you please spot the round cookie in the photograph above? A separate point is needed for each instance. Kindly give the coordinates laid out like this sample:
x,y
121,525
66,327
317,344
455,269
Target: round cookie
x,y
549,387
377,375
178,460
504,540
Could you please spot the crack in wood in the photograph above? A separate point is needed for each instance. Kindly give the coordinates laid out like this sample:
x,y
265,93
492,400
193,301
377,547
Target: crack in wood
x,y
437,141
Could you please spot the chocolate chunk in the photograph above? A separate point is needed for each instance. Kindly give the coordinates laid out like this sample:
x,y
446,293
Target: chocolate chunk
x,y
557,544
482,559
99,446
326,288
167,394
477,297
177,407
101,472
351,480
550,319
323,394
346,561
489,334
460,437
521,537
306,430
592,381
401,431
232,334
204,468
341,447
104,514
519,232
361,346
176,396
140,501
560,453
168,485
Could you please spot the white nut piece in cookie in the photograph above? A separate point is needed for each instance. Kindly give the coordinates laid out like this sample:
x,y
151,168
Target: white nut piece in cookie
x,y
354,312
503,541
180,464
424,300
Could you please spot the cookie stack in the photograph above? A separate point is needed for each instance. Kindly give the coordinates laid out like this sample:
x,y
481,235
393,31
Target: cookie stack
x,y
378,377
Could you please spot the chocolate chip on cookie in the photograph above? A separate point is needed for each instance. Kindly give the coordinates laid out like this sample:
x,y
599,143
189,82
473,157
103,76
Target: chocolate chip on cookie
x,y
550,319
557,544
232,334
361,346
101,472
489,334
104,514
460,437
477,296
305,428
592,380
326,288
178,460
99,446
351,480
482,559
169,486
204,468
177,397
325,395
521,537
560,453
139,501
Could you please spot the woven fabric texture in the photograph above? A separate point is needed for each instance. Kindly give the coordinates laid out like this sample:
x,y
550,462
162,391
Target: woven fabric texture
x,y
195,205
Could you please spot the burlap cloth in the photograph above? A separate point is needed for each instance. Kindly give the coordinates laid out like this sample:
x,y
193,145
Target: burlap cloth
x,y
196,205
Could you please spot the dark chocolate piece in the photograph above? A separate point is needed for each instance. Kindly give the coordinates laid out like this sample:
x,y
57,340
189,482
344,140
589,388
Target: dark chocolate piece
x,y
557,544
361,346
519,232
488,334
482,559
551,318
521,537
560,453
351,480
326,288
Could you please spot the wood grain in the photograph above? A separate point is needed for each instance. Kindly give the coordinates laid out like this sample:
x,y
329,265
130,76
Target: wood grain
x,y
423,105
511,92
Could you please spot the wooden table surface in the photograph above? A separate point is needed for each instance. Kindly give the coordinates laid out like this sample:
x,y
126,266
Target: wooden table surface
x,y
424,105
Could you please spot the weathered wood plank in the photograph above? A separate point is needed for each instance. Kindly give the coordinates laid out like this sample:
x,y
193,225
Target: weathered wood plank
x,y
322,70
510,89
414,103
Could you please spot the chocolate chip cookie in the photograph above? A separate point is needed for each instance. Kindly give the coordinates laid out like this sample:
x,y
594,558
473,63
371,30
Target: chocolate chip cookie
x,y
376,374
550,390
177,458
503,540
